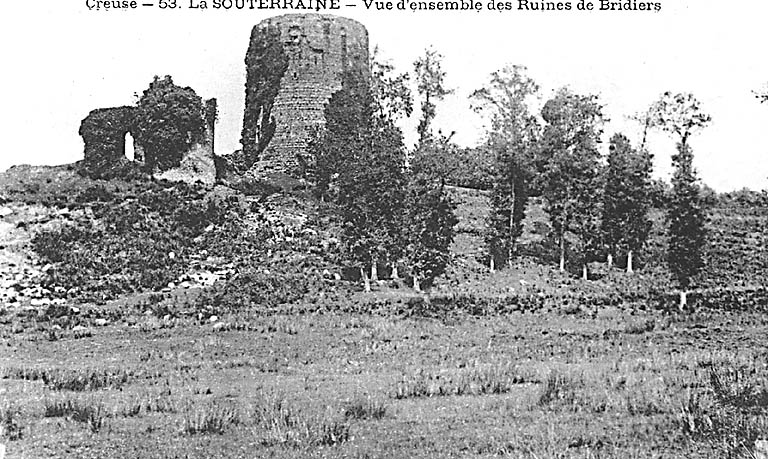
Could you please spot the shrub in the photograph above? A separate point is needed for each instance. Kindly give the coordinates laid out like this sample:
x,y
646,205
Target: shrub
x,y
169,119
9,422
140,243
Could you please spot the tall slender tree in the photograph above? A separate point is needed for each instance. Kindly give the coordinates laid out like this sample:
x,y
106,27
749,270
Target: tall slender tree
x,y
430,81
626,199
428,213
571,171
391,95
512,138
681,115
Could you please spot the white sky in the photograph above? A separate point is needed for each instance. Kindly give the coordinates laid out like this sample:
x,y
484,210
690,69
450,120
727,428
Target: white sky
x,y
60,61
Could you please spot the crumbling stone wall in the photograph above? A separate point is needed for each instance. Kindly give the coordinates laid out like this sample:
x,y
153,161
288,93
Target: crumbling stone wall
x,y
103,132
198,164
309,53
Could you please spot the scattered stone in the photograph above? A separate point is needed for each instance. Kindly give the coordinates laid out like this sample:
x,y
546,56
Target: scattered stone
x,y
213,318
101,322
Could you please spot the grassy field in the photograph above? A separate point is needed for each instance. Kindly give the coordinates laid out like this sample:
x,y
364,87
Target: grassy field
x,y
549,385
282,358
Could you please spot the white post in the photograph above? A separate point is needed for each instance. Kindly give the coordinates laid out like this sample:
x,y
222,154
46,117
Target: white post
x,y
366,281
562,254
629,263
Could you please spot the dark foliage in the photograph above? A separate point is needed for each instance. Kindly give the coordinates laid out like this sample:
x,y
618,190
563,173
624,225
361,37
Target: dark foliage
x,y
138,243
358,165
428,212
626,199
169,120
103,132
570,169
265,63
685,218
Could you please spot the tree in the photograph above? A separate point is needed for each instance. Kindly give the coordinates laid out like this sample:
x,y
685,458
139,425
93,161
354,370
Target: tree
x,y
360,159
626,199
571,170
512,139
430,80
762,94
681,115
391,95
428,213
169,120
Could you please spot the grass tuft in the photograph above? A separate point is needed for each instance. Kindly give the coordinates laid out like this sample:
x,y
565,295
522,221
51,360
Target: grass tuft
x,y
211,418
88,412
365,408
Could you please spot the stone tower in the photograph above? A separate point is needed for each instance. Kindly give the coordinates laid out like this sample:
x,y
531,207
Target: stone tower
x,y
294,65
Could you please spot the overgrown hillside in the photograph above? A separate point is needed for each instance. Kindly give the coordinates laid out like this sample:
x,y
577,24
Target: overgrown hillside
x,y
69,238
736,254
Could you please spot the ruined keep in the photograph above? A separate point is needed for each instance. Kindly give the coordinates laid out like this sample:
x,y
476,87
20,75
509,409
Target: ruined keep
x,y
294,64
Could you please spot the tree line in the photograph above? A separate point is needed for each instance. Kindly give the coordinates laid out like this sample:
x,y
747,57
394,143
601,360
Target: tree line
x,y
394,208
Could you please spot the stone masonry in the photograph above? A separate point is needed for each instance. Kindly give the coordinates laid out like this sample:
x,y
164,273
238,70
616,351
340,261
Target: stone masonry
x,y
104,131
319,50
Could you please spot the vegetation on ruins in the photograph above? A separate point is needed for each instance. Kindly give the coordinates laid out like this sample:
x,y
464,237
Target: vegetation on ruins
x,y
169,120
265,64
103,132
